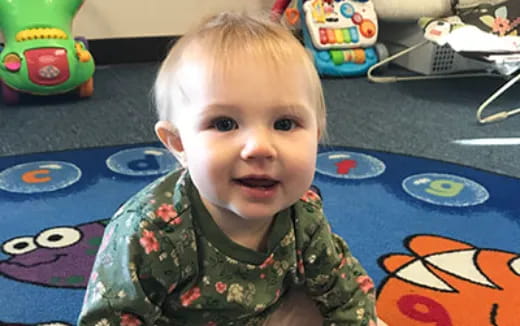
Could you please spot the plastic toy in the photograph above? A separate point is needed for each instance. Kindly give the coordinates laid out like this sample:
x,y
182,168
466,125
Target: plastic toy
x,y
40,56
341,34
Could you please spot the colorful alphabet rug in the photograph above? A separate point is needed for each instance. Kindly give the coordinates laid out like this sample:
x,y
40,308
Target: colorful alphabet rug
x,y
441,241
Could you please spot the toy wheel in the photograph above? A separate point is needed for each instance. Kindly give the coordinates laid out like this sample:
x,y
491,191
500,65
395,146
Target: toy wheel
x,y
382,51
82,40
9,96
87,88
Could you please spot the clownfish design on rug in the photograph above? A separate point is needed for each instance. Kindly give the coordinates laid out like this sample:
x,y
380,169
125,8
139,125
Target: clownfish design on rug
x,y
446,282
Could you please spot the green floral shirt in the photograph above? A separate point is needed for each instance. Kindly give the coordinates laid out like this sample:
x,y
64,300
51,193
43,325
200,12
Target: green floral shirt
x,y
164,261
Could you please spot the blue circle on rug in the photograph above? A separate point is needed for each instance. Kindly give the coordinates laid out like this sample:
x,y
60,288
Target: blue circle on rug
x,y
349,165
445,189
142,161
42,176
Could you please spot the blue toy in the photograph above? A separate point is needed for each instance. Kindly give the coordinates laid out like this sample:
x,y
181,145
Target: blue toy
x,y
341,34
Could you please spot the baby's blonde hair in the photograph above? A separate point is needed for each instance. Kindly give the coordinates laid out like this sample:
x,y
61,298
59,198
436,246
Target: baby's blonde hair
x,y
220,40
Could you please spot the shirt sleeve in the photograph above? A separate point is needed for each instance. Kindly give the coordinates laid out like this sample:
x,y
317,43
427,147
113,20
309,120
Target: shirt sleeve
x,y
130,278
334,278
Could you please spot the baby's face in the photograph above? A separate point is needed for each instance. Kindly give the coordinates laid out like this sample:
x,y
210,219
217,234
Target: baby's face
x,y
250,138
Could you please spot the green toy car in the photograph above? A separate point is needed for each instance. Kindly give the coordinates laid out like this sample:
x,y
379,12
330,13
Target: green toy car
x,y
39,55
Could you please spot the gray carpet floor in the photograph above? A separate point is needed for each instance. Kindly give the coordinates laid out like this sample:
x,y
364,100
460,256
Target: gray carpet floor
x,y
420,118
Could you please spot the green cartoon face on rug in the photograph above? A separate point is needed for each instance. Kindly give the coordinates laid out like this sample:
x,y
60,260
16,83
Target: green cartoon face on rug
x,y
56,257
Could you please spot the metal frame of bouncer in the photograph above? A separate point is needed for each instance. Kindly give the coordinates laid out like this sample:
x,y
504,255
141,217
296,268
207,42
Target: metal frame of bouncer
x,y
495,117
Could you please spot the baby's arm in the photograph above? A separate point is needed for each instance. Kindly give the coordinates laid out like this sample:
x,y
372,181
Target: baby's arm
x,y
336,281
124,286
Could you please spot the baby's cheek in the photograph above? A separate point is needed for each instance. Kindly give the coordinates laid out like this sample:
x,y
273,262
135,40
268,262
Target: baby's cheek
x,y
305,165
302,176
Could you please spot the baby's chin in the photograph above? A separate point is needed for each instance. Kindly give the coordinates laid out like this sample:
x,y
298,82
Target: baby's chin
x,y
257,216
258,211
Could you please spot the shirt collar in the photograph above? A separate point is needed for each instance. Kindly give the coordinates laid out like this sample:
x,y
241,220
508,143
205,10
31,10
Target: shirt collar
x,y
186,195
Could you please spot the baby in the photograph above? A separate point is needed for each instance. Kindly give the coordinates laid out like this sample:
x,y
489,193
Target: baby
x,y
236,236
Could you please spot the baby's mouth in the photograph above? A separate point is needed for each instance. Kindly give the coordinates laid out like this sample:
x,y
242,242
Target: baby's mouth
x,y
265,183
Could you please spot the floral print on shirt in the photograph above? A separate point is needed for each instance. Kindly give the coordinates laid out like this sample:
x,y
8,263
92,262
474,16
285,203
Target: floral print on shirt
x,y
159,265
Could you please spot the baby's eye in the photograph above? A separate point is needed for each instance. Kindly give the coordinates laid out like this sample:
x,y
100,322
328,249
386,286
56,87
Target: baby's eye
x,y
224,124
284,124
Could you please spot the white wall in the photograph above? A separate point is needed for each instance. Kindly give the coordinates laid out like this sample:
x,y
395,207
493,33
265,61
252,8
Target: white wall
x,y
99,19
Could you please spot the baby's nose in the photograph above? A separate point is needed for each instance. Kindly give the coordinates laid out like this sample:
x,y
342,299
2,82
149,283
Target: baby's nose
x,y
258,144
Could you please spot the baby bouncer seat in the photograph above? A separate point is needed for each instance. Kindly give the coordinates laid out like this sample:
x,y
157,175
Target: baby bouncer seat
x,y
485,32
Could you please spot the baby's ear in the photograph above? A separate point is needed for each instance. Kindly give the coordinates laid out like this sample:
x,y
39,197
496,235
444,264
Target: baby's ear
x,y
170,138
